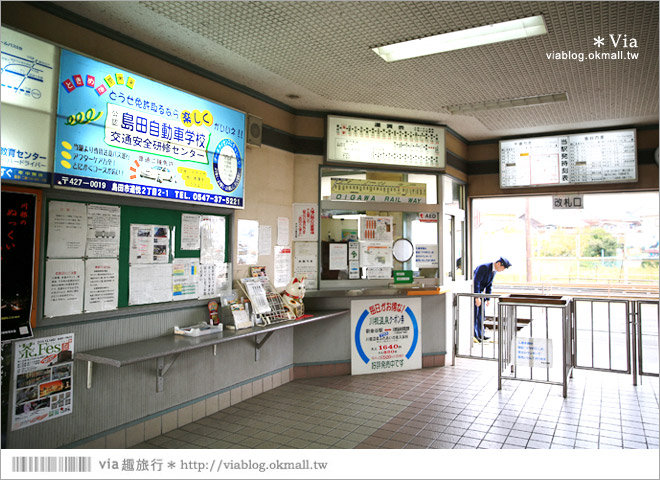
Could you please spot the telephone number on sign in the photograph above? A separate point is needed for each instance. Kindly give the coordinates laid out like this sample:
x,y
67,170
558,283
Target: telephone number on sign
x,y
147,191
208,198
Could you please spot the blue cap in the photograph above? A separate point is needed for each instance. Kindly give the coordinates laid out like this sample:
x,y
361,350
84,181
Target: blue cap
x,y
504,262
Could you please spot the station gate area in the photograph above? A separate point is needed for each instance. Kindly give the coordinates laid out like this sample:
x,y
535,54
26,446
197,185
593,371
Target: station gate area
x,y
612,335
608,401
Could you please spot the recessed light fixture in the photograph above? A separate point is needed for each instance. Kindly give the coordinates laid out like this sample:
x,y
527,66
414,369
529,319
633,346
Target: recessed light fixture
x,y
508,103
472,37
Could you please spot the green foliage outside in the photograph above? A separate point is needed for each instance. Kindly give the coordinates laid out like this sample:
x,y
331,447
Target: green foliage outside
x,y
556,245
593,242
599,243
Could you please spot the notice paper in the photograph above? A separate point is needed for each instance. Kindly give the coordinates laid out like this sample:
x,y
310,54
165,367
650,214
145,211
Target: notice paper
x,y
103,223
67,230
248,242
185,277
375,254
212,231
338,256
282,266
265,239
150,284
305,222
426,256
305,262
214,278
282,230
380,229
101,284
190,232
64,287
150,244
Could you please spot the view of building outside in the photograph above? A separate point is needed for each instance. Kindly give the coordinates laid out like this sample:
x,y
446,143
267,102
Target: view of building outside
x,y
612,241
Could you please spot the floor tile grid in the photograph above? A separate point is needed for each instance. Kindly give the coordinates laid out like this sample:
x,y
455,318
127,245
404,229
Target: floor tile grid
x,y
556,428
456,407
290,419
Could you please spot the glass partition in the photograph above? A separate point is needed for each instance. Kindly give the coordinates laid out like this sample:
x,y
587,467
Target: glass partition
x,y
364,213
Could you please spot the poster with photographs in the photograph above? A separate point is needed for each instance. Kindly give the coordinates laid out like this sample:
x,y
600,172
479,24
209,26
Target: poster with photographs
x,y
150,243
43,375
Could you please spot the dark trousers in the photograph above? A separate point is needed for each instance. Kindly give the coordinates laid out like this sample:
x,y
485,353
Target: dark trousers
x,y
478,320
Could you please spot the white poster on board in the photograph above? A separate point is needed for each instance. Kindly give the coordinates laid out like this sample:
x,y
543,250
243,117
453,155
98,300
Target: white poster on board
x,y
248,242
305,222
64,287
214,278
212,231
190,231
101,284
103,224
149,243
67,230
43,380
185,279
386,335
150,284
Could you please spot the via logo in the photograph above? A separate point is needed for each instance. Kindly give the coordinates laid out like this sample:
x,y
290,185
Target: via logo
x,y
617,40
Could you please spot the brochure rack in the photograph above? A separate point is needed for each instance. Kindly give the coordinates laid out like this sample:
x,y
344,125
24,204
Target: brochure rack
x,y
267,304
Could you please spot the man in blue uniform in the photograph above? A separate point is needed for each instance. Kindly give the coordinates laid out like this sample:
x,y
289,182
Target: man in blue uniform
x,y
483,283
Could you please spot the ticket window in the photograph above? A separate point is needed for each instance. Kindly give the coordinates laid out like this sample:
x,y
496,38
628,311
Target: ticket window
x,y
415,221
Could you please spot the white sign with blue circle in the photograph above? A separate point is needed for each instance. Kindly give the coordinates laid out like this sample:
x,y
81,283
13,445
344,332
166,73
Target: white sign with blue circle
x,y
386,335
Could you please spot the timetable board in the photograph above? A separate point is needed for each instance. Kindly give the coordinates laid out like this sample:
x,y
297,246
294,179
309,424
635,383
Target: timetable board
x,y
385,142
585,158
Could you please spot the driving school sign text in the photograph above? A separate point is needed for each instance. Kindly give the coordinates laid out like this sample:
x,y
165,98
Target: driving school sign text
x,y
386,335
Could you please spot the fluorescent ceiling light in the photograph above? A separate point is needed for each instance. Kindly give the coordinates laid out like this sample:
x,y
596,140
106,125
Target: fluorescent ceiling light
x,y
472,37
508,103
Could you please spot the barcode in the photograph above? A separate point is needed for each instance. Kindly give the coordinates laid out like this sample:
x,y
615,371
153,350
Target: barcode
x,y
51,464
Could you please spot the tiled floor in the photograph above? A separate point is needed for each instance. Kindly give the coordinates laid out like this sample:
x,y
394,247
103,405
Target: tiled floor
x,y
445,407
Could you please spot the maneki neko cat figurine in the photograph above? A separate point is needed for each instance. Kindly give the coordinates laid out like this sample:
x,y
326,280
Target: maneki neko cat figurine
x,y
293,295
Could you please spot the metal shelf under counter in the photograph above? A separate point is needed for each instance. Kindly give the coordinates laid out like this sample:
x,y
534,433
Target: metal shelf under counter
x,y
172,346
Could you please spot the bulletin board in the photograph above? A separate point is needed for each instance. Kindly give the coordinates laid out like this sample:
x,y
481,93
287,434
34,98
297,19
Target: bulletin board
x,y
141,215
136,215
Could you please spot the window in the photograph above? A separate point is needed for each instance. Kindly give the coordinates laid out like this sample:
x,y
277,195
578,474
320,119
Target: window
x,y
363,212
612,240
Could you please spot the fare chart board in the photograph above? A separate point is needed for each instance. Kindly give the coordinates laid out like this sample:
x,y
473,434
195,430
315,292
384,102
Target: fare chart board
x,y
585,158
385,142
121,133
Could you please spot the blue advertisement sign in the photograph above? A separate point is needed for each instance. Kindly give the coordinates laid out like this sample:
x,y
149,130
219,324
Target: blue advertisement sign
x,y
121,133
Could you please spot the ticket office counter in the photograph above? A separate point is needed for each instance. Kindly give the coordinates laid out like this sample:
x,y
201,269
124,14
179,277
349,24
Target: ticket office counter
x,y
322,346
